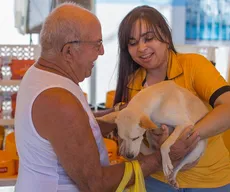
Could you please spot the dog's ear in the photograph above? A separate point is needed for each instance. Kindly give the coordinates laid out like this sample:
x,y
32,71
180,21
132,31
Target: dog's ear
x,y
146,123
109,118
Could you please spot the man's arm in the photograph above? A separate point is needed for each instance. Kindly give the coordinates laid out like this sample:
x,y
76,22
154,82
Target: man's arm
x,y
103,112
60,118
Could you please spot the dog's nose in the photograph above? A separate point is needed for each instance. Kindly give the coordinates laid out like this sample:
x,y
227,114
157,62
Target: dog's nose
x,y
130,156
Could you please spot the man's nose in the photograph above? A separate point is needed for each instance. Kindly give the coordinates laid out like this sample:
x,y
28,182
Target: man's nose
x,y
101,50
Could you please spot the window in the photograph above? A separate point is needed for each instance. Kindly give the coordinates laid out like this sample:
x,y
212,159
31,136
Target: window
x,y
208,20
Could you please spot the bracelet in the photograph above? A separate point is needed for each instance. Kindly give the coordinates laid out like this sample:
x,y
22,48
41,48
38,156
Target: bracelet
x,y
117,106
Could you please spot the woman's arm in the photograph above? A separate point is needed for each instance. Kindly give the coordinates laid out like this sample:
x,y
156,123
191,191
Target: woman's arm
x,y
213,88
218,120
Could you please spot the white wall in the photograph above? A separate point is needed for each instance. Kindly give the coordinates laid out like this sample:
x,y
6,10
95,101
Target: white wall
x,y
178,24
8,33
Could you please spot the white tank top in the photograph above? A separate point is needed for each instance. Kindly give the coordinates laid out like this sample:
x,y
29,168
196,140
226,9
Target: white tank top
x,y
39,169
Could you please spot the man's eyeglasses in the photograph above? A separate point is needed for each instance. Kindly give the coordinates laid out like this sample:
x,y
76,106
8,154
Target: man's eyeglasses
x,y
97,44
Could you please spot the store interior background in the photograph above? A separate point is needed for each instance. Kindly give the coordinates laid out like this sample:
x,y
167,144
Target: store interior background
x,y
201,26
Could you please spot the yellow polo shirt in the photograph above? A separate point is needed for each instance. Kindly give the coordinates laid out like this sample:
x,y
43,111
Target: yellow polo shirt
x,y
195,73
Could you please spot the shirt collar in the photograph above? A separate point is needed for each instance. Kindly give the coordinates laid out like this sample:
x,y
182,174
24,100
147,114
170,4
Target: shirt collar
x,y
136,80
174,70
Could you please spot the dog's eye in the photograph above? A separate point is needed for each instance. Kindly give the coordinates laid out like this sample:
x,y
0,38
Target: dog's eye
x,y
133,139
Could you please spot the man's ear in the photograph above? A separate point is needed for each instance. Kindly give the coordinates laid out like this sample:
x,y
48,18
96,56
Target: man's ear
x,y
146,123
109,118
67,52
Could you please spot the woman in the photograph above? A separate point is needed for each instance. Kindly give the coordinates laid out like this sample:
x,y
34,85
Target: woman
x,y
148,56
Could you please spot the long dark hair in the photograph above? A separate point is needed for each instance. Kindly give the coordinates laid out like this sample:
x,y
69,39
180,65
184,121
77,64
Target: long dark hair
x,y
155,22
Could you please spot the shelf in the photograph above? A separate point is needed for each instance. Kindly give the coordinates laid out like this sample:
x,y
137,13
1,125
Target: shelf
x,y
10,82
9,86
9,122
11,181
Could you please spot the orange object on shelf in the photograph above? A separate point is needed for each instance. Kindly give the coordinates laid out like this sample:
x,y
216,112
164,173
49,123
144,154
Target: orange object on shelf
x,y
19,67
13,100
86,95
111,147
10,146
2,133
118,160
7,164
109,99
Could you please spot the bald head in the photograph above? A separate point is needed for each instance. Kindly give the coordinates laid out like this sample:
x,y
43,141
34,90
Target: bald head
x,y
67,22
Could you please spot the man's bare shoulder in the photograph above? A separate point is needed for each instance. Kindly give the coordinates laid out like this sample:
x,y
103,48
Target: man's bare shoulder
x,y
56,107
57,96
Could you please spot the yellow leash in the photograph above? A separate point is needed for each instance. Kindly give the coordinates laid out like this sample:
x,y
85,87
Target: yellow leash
x,y
139,184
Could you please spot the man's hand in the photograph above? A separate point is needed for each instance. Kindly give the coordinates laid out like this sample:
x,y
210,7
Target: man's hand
x,y
156,139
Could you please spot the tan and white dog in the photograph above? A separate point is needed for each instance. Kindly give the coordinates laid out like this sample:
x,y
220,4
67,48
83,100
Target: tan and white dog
x,y
162,103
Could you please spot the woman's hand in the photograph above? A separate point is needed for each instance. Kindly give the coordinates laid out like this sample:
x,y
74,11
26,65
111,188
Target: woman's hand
x,y
183,145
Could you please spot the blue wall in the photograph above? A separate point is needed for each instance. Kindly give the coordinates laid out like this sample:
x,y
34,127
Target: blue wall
x,y
155,2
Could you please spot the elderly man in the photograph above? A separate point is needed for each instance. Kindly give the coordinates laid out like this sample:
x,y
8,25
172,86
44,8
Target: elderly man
x,y
59,142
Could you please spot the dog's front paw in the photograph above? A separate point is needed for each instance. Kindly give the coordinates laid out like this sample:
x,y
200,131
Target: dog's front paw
x,y
167,166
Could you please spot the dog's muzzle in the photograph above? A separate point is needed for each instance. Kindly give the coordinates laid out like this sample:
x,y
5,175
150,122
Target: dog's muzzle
x,y
122,150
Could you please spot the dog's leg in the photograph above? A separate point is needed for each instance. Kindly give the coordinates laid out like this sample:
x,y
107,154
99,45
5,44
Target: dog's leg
x,y
165,149
190,158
